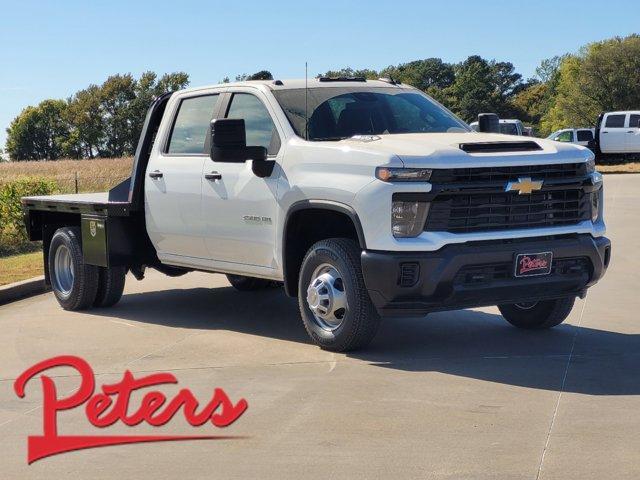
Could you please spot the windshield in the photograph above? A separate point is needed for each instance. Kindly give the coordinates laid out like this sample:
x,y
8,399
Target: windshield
x,y
338,113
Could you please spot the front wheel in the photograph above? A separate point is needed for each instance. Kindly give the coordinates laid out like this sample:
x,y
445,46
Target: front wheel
x,y
537,315
334,303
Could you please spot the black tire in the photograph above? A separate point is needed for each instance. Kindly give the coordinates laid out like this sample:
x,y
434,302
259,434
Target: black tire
x,y
538,315
78,290
110,286
248,284
359,321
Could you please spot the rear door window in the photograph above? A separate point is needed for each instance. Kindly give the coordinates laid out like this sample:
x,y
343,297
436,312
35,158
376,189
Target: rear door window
x,y
585,135
633,121
191,125
615,121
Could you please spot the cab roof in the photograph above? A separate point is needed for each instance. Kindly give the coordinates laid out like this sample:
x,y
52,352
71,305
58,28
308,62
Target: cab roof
x,y
298,83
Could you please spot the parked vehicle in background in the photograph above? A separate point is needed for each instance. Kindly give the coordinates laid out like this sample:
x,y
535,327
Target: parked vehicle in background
x,y
508,126
617,135
579,136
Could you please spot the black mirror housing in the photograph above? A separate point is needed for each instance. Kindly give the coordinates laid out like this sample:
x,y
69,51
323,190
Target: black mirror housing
x,y
229,142
488,123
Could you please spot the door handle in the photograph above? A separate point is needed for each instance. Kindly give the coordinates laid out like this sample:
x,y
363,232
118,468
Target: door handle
x,y
155,174
630,131
213,176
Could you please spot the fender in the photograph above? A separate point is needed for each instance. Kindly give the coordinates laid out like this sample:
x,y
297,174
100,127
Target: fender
x,y
343,208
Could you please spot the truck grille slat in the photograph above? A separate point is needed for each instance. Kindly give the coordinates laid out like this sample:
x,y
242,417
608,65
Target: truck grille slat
x,y
499,174
471,208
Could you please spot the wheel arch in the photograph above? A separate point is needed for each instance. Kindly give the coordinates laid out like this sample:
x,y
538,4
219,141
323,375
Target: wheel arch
x,y
342,220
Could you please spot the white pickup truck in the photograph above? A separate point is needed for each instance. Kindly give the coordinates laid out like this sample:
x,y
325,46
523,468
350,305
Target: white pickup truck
x,y
617,136
364,198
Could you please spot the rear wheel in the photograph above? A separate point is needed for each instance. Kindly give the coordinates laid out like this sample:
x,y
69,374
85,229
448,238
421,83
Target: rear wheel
x,y
248,284
74,283
334,303
110,286
537,315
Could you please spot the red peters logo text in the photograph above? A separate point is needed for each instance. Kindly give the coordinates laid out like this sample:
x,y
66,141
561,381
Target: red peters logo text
x,y
528,264
112,405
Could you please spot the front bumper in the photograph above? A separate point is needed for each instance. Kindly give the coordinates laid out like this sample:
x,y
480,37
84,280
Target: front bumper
x,y
478,274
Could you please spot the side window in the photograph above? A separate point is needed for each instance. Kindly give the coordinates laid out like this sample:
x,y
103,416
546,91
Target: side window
x,y
261,130
191,125
634,121
585,135
615,121
566,136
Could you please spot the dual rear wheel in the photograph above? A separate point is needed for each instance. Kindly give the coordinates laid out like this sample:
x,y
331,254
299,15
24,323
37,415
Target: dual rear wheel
x,y
77,285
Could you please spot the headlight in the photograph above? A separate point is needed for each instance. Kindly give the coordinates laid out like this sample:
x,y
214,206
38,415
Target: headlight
x,y
408,217
591,165
595,205
388,174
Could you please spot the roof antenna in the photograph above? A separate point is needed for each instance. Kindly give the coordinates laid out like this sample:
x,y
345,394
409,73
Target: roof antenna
x,y
306,101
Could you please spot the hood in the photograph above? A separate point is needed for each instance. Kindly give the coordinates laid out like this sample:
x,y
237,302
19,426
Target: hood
x,y
441,150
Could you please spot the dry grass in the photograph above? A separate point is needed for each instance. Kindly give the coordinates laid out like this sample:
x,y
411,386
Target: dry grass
x,y
93,175
633,167
20,267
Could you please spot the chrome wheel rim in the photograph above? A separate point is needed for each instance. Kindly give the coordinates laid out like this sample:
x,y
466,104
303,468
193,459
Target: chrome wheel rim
x,y
327,297
526,305
63,272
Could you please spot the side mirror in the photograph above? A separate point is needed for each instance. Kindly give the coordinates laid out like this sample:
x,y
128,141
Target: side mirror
x,y
488,123
229,144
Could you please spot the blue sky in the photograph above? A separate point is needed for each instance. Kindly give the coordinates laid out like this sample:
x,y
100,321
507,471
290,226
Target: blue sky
x,y
52,49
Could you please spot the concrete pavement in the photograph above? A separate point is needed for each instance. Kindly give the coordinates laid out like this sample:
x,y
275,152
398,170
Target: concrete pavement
x,y
455,395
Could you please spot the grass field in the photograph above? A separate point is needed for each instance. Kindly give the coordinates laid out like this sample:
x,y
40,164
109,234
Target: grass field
x,y
633,167
92,175
20,267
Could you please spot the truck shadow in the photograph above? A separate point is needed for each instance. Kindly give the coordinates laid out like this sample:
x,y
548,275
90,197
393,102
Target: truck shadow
x,y
465,343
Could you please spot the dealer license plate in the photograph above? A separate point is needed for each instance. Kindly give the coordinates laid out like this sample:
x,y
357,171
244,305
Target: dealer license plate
x,y
533,264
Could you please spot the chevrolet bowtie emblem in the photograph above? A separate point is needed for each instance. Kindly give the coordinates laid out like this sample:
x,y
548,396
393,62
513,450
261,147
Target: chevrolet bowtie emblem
x,y
524,186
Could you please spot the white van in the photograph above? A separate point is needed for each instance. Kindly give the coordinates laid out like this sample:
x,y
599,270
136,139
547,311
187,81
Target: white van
x,y
579,136
619,132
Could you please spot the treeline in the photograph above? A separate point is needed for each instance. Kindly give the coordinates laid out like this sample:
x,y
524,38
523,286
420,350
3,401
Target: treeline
x,y
566,91
99,121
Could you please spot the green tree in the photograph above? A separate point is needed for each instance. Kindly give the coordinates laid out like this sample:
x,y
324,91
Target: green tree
x,y
531,102
84,116
261,75
146,89
482,86
38,132
601,77
350,72
474,89
426,75
116,96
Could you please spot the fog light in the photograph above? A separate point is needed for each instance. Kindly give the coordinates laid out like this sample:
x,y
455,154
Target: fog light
x,y
408,217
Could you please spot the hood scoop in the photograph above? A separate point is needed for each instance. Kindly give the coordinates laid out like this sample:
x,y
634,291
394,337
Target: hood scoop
x,y
499,147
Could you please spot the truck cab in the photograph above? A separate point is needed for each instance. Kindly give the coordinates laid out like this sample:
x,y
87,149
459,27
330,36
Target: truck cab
x,y
363,199
619,132
578,136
